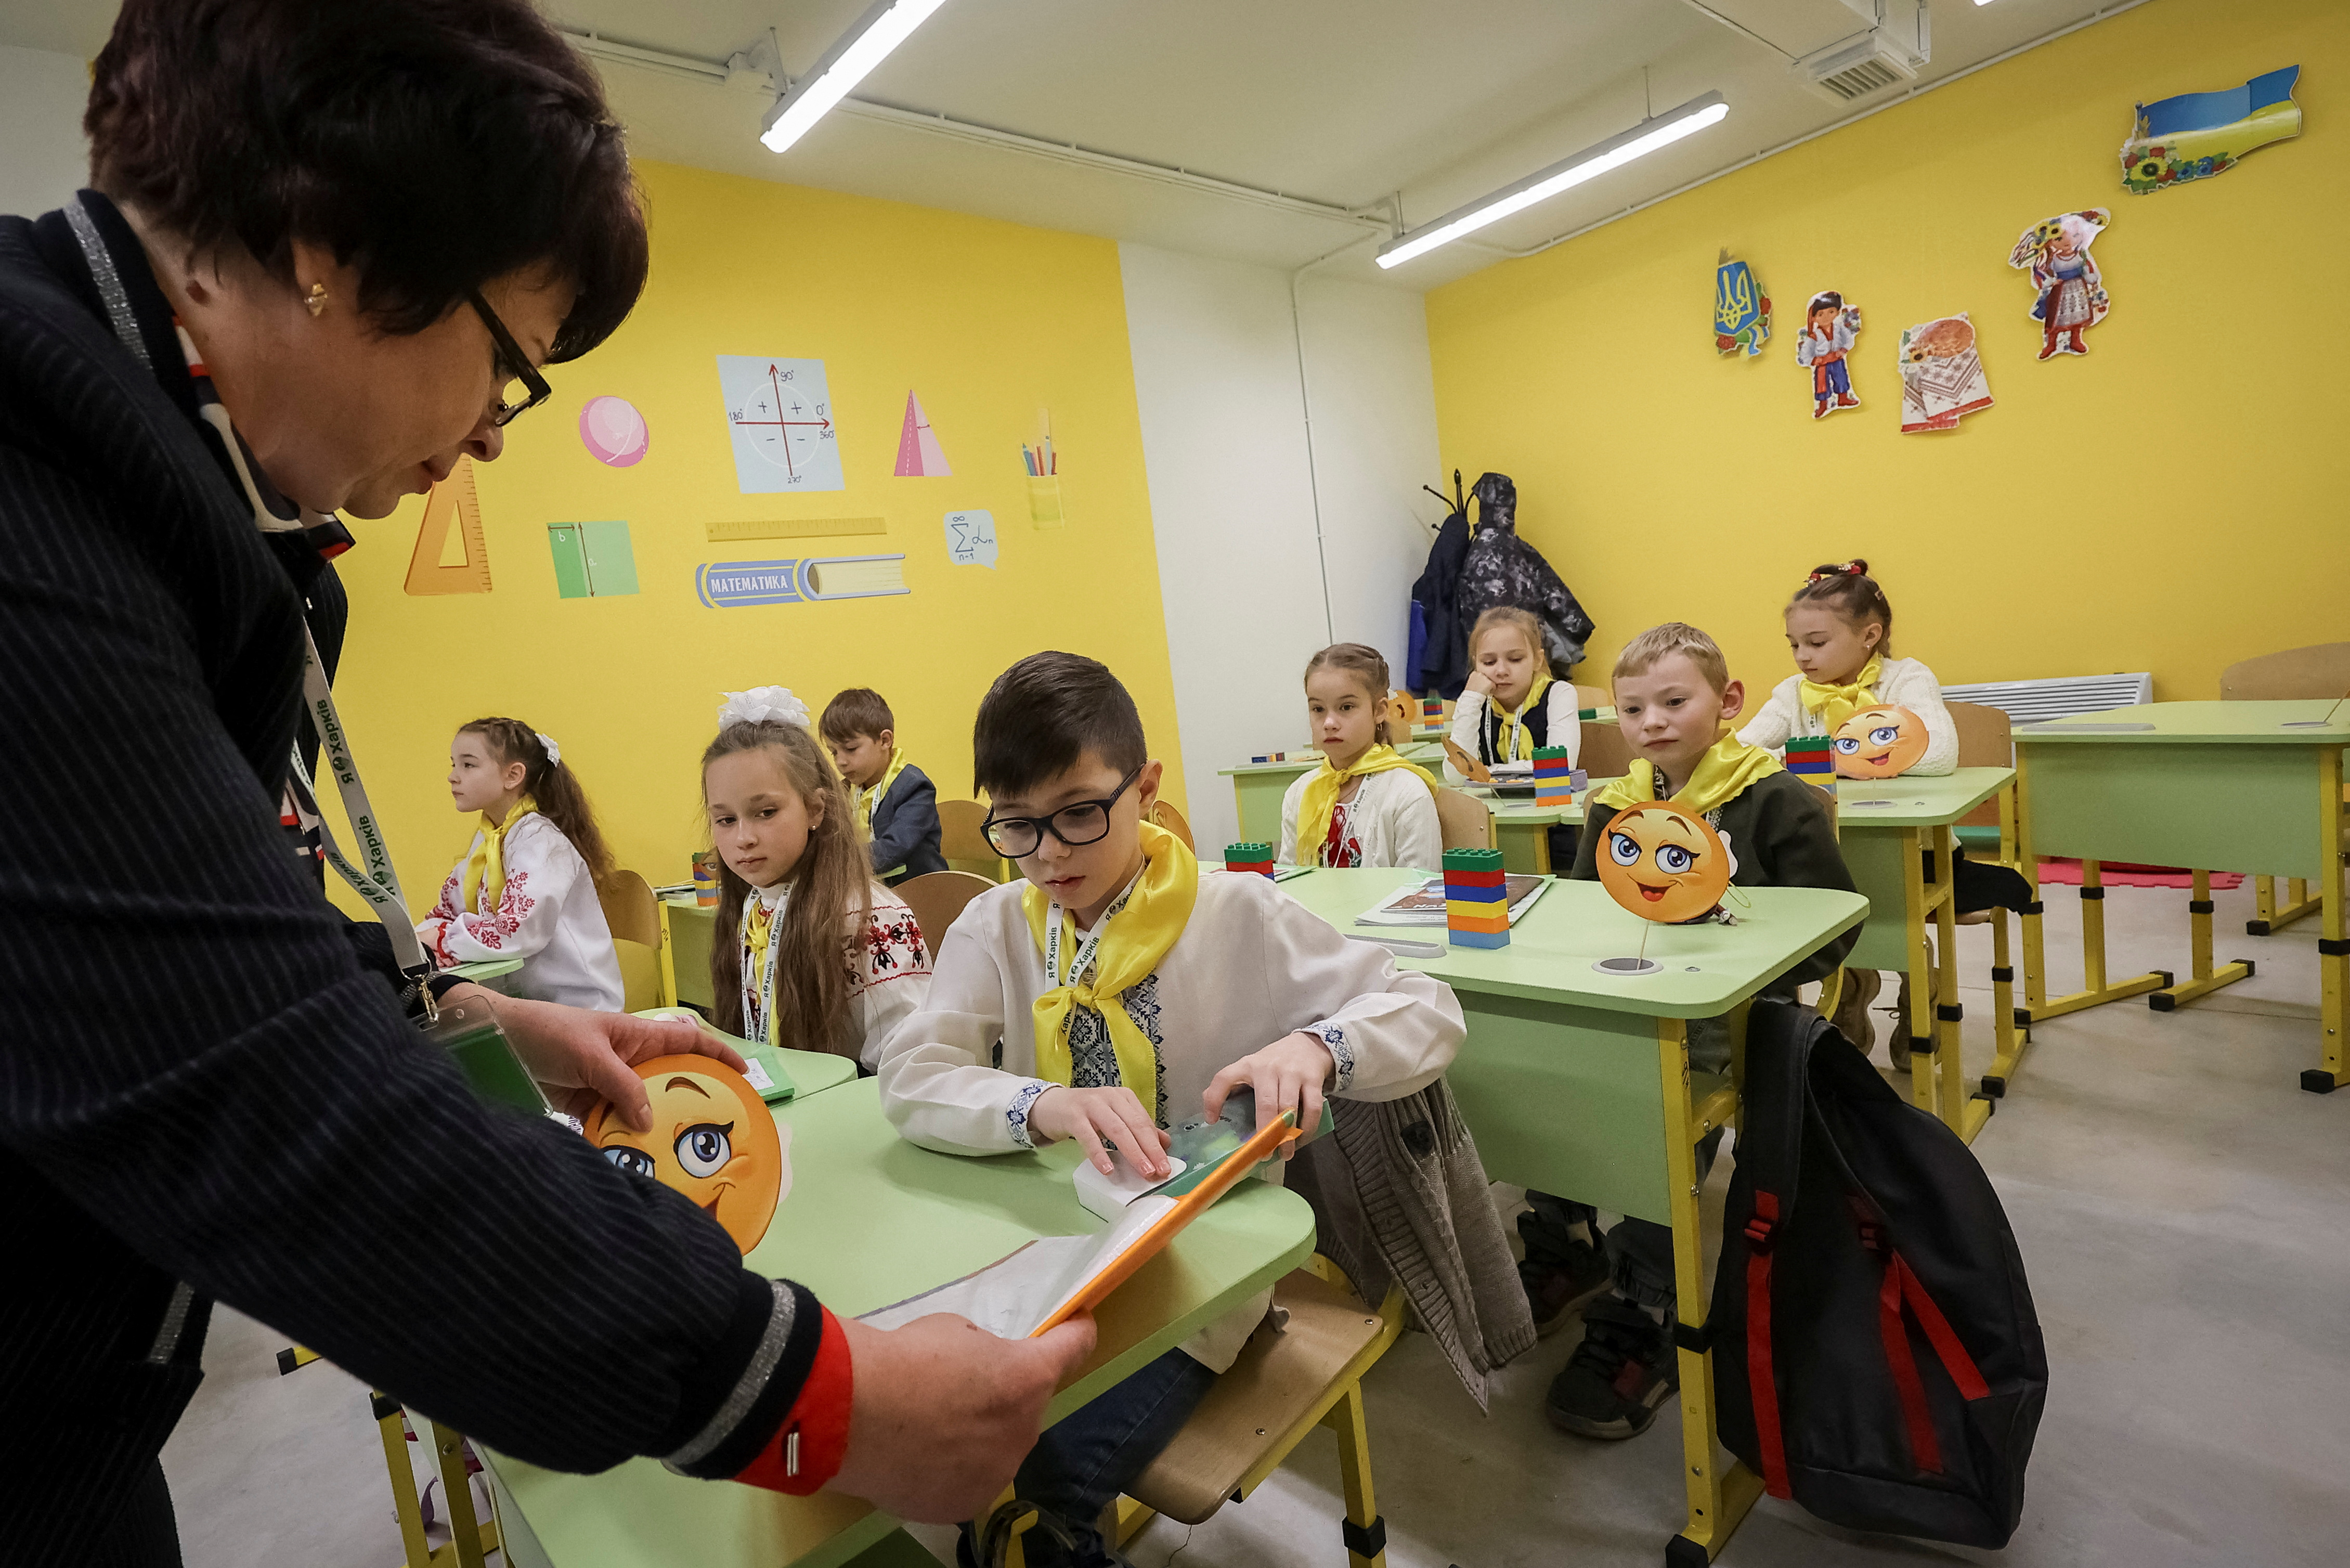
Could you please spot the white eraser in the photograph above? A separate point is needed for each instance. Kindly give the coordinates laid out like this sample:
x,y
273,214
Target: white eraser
x,y
754,1073
1106,1196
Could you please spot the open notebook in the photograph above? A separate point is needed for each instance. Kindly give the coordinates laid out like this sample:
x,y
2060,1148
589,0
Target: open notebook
x,y
1057,1278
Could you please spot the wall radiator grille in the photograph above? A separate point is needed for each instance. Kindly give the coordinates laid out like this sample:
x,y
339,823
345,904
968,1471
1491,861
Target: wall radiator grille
x,y
2066,697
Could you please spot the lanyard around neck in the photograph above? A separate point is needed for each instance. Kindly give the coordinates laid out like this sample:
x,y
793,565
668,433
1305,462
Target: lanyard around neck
x,y
761,990
1082,960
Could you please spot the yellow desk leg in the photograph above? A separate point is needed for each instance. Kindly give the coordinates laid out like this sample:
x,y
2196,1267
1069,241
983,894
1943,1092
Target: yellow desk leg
x,y
1721,1490
1962,1116
2095,990
2008,1026
2035,955
293,1357
1364,1526
2334,944
2272,917
1921,971
2205,979
393,1430
668,961
466,1544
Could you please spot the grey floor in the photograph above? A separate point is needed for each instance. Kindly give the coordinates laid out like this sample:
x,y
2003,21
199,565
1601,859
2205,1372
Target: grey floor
x,y
2179,1201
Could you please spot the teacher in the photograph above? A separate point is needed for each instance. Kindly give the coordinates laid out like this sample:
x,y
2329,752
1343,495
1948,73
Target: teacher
x,y
329,251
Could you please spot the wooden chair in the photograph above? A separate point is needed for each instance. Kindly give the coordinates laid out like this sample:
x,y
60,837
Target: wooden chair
x,y
1466,822
634,915
1288,1380
2320,670
964,843
1604,754
1164,814
1986,740
937,898
1592,696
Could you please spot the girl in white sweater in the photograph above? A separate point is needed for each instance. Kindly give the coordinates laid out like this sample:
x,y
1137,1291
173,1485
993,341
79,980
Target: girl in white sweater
x,y
526,886
1840,628
1364,805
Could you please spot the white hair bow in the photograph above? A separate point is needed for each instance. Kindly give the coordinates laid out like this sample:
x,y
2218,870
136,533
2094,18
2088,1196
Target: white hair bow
x,y
546,744
763,704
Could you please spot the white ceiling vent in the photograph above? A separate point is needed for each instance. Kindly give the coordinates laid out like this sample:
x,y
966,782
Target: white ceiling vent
x,y
1868,63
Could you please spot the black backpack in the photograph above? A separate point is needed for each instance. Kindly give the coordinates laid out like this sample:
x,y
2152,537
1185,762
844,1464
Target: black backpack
x,y
1879,1359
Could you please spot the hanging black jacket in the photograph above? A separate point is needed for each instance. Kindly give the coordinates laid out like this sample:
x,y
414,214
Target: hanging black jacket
x,y
1503,570
1444,657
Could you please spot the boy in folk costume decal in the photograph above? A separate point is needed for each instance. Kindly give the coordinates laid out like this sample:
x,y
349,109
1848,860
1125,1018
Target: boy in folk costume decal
x,y
1830,328
2071,297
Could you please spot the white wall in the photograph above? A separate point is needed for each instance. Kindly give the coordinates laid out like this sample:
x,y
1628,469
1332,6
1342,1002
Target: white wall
x,y
1231,498
43,158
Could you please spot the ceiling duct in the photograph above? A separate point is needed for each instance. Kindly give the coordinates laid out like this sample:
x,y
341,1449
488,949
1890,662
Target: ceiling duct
x,y
1886,57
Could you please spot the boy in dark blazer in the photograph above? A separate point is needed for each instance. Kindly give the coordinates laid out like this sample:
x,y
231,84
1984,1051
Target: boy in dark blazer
x,y
896,805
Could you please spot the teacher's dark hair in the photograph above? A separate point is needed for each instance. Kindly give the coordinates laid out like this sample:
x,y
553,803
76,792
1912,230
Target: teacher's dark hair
x,y
432,144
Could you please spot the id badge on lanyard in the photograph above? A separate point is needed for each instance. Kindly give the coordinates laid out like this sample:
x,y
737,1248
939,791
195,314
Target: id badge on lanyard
x,y
1082,959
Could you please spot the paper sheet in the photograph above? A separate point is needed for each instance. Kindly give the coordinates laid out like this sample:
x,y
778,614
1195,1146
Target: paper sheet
x,y
1012,1295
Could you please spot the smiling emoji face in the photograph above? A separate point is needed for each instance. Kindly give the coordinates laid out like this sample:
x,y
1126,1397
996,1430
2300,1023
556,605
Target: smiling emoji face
x,y
1663,862
1879,742
712,1139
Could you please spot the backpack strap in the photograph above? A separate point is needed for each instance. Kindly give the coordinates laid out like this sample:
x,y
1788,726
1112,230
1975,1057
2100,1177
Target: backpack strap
x,y
1779,1038
1901,1288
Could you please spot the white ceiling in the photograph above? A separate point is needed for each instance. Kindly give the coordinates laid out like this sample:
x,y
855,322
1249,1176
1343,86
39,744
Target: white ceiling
x,y
1343,102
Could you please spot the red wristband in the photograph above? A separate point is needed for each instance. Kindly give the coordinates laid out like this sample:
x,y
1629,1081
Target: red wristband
x,y
808,1447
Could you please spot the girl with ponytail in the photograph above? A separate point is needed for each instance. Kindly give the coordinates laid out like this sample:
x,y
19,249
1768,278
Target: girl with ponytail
x,y
526,886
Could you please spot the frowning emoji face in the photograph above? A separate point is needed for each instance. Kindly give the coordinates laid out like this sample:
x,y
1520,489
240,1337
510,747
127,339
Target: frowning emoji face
x,y
1879,742
712,1139
1663,862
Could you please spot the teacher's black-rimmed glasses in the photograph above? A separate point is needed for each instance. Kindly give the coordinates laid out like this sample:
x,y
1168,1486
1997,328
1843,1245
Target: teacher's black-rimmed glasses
x,y
1075,824
514,365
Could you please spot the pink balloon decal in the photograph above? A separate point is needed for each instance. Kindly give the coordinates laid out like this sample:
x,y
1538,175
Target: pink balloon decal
x,y
613,431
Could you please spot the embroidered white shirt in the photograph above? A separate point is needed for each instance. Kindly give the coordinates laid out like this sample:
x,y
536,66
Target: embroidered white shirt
x,y
1903,682
547,916
1392,816
889,977
1252,966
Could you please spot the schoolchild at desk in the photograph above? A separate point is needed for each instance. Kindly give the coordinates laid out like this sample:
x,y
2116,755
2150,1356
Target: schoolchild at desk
x,y
896,805
1673,699
1118,989
1512,704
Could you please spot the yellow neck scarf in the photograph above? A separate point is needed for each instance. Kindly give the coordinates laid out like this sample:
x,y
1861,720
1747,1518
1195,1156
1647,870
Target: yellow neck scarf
x,y
1321,797
1153,916
1835,704
1722,775
485,867
867,799
1517,742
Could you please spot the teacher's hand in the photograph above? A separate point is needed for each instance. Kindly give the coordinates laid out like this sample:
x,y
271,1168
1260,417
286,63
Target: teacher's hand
x,y
582,1058
942,1412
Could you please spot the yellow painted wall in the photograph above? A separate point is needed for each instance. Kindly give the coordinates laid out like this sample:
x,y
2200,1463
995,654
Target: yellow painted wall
x,y
2171,502
987,321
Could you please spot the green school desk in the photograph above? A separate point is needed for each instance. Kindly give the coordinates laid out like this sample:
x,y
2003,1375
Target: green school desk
x,y
2214,786
871,1220
485,968
1579,1082
685,950
1258,789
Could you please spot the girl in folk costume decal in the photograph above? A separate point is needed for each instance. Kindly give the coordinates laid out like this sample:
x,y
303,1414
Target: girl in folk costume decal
x,y
1831,327
2071,297
1364,805
526,886
822,958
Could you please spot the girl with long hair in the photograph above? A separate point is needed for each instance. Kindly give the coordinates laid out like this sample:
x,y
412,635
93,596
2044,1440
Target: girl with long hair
x,y
821,957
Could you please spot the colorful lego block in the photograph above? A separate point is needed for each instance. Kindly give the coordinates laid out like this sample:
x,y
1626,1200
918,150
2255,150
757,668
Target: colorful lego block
x,y
1489,861
1468,917
1811,759
1249,856
1480,939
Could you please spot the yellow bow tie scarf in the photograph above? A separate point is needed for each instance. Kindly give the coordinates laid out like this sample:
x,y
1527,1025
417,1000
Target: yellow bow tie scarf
x,y
1321,797
759,922
1835,704
867,799
1516,742
485,867
1725,770
1131,942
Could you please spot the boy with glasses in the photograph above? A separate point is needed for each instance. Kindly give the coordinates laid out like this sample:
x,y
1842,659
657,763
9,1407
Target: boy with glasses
x,y
1117,990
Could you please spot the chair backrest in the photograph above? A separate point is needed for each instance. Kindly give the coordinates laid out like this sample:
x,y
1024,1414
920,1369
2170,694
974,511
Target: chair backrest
x,y
1604,754
1986,736
937,898
960,834
1168,817
1593,696
629,908
1466,822
2322,669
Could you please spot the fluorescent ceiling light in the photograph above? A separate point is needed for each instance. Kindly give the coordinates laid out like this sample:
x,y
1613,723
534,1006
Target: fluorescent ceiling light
x,y
847,63
1658,130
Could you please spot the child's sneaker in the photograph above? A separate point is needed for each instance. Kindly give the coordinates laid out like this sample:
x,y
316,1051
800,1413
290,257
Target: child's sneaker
x,y
1553,1289
1619,1377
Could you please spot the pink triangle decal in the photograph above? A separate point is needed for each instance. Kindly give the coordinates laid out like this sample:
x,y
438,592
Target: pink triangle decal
x,y
920,455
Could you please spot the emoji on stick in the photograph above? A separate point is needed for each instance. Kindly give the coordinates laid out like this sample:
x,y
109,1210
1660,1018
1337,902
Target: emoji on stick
x,y
712,1139
1664,863
1879,742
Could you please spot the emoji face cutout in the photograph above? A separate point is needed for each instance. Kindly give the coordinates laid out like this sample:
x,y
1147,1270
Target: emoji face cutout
x,y
1879,742
1663,862
712,1139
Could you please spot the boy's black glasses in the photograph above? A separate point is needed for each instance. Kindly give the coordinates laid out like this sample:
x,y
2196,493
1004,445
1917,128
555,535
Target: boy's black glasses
x,y
1086,822
512,364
